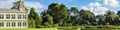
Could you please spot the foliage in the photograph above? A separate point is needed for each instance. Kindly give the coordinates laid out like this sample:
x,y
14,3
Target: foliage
x,y
100,19
58,12
47,24
33,15
86,15
31,23
59,15
47,19
110,17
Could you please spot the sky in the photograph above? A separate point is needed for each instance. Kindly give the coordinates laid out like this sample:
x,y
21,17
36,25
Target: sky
x,y
95,6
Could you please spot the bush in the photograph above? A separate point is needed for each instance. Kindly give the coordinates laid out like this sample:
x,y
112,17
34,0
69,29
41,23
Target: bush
x,y
47,25
40,26
55,25
110,26
31,23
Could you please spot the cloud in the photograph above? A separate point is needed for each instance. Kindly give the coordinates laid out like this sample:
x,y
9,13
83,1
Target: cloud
x,y
96,4
9,3
84,7
35,5
100,10
111,3
96,8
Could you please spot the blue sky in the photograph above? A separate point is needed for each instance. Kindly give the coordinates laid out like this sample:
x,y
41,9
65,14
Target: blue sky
x,y
68,3
95,6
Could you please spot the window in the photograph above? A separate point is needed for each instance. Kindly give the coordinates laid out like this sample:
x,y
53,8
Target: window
x,y
8,24
1,16
1,24
19,16
24,23
24,16
13,24
13,16
19,23
8,16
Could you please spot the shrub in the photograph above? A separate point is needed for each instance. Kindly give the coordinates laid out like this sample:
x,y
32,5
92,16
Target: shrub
x,y
47,25
31,23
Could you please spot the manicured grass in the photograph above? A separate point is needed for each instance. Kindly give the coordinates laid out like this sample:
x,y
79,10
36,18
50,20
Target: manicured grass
x,y
28,29
100,29
61,28
48,28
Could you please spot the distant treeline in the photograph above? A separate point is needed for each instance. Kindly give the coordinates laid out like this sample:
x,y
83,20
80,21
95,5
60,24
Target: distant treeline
x,y
59,15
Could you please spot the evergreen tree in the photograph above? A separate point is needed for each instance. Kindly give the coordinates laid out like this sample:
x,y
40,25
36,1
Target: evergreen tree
x,y
34,15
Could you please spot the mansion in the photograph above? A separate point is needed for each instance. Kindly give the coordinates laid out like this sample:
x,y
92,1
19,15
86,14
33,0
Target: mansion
x,y
16,17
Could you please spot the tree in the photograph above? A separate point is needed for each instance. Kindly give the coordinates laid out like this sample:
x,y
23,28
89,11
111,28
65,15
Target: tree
x,y
100,19
31,23
47,24
74,11
74,16
33,15
110,17
87,16
58,12
118,13
47,18
67,21
117,21
50,19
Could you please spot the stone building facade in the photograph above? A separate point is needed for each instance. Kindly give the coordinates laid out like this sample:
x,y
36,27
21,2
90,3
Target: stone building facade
x,y
17,17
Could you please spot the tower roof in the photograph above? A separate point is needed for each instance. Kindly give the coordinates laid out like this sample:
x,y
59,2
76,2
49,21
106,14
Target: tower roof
x,y
21,0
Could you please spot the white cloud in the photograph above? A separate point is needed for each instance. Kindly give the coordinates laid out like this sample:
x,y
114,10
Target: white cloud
x,y
95,8
98,8
111,3
96,4
84,7
9,4
36,5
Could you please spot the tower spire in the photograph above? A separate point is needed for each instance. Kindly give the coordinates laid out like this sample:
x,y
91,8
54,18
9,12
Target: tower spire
x,y
21,6
21,0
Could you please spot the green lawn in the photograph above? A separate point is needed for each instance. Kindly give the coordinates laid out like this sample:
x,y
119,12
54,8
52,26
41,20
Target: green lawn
x,y
28,29
59,28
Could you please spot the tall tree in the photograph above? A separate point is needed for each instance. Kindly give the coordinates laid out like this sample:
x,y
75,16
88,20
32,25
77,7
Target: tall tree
x,y
34,15
31,23
74,16
110,17
74,13
58,12
87,16
74,9
118,13
100,19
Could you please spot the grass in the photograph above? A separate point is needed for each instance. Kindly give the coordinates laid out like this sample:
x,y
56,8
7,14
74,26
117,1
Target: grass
x,y
69,28
100,29
28,29
62,28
